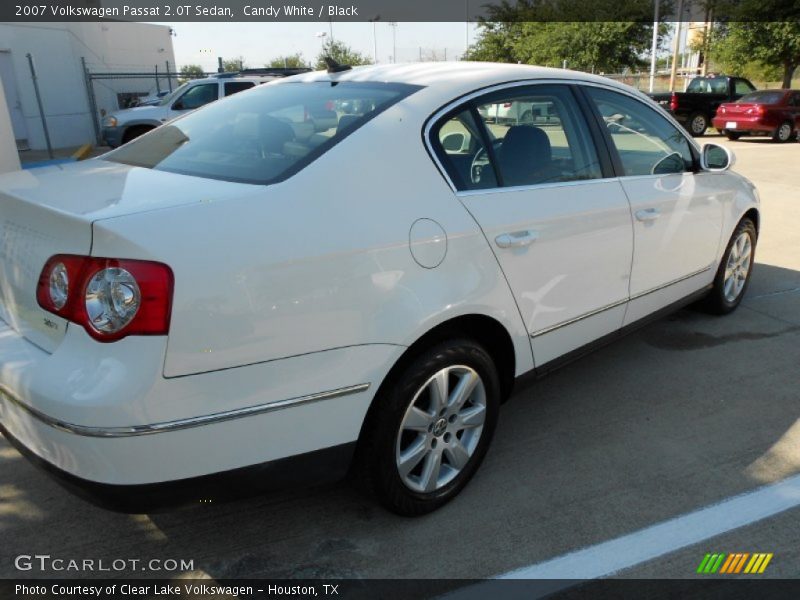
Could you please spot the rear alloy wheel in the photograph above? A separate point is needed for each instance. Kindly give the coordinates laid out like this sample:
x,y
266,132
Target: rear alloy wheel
x,y
429,432
698,123
735,269
783,133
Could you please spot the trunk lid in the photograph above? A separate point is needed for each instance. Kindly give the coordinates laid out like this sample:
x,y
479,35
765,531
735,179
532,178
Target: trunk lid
x,y
50,210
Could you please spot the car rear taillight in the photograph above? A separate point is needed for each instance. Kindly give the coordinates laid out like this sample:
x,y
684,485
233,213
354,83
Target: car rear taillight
x,y
110,298
673,102
722,109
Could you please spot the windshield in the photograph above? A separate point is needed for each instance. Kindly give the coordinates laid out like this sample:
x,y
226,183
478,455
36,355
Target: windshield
x,y
263,135
170,97
708,85
762,98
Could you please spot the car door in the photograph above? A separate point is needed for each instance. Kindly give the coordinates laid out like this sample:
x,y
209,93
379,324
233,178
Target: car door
x,y
194,97
677,210
558,225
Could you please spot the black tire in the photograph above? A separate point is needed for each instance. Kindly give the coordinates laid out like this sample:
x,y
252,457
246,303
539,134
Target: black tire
x,y
376,467
697,124
783,133
134,132
732,136
716,302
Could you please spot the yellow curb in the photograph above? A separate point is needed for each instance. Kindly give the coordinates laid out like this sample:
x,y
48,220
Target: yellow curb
x,y
82,153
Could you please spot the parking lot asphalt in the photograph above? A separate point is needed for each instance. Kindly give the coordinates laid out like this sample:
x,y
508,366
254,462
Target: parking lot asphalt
x,y
683,414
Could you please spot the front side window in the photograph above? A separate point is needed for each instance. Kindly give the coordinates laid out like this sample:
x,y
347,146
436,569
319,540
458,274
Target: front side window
x,y
535,135
646,142
197,96
263,136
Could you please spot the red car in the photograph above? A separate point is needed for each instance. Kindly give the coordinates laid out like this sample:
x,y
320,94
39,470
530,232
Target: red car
x,y
775,113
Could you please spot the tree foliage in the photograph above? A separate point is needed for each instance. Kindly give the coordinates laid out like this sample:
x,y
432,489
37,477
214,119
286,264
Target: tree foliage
x,y
771,47
291,61
234,64
190,72
605,46
548,32
341,53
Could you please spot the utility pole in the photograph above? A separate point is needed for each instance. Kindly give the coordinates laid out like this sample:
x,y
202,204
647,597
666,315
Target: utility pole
x,y
676,47
655,47
374,20
393,25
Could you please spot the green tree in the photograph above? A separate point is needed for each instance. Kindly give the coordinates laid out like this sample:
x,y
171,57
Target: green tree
x,y
771,48
341,53
546,32
234,64
291,61
190,72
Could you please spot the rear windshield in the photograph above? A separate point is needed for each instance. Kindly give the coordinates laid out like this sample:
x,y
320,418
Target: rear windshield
x,y
762,98
708,85
263,135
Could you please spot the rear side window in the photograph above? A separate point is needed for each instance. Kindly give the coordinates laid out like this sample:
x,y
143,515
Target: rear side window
x,y
742,87
263,136
519,136
646,142
232,87
708,85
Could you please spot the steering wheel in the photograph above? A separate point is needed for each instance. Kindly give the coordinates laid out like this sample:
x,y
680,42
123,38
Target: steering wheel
x,y
480,160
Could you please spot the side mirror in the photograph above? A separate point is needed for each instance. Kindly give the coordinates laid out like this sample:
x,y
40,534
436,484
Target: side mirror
x,y
716,158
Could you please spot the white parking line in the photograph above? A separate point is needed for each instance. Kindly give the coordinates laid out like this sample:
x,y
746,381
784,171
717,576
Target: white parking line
x,y
608,558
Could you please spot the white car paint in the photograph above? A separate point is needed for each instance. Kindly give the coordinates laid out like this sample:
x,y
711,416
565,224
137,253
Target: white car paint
x,y
319,283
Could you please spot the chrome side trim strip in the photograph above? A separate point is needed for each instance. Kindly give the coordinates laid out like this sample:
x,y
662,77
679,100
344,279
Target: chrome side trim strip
x,y
579,318
616,304
135,430
673,282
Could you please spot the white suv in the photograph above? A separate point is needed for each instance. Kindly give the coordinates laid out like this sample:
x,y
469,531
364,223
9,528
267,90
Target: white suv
x,y
122,126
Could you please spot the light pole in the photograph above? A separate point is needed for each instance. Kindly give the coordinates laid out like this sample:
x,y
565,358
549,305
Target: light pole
x,y
322,35
393,25
654,49
374,20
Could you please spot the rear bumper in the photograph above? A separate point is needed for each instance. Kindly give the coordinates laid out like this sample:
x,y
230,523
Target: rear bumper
x,y
309,469
103,417
744,124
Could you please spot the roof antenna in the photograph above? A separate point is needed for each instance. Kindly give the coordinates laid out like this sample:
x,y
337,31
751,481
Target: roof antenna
x,y
335,67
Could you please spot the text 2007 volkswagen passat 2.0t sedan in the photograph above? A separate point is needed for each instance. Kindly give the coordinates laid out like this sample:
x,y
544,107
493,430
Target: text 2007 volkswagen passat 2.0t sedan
x,y
346,269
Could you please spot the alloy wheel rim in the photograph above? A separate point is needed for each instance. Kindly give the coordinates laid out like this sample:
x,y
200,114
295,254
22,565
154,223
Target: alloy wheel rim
x,y
441,428
698,124
784,132
737,267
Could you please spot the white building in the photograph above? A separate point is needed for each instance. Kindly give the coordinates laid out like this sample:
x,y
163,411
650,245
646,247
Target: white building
x,y
57,49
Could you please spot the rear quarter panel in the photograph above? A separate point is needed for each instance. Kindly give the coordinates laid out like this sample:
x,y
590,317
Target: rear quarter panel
x,y
319,261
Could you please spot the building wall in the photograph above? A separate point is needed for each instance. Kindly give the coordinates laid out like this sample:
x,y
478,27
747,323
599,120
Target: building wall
x,y
57,49
9,160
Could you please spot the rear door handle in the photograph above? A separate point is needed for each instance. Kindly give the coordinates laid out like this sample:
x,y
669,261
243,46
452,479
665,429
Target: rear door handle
x,y
648,214
516,239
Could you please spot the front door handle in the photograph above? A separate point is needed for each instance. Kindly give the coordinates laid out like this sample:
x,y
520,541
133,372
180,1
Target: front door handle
x,y
516,239
648,214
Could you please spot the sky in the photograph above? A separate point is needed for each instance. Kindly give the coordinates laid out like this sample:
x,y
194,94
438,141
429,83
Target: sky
x,y
202,43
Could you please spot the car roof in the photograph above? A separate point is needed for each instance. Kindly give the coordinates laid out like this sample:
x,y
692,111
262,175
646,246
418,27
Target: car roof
x,y
443,82
454,76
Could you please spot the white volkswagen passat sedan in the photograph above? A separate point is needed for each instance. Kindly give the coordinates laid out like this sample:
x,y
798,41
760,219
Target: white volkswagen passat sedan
x,y
271,283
